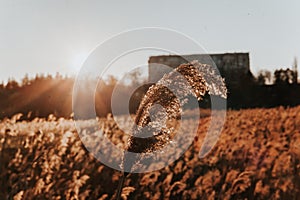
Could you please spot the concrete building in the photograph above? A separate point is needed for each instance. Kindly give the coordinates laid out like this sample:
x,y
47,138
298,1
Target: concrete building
x,y
234,67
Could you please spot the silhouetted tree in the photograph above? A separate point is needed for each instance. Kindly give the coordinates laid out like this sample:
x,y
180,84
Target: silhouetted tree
x,y
284,76
58,76
25,80
12,84
295,70
264,76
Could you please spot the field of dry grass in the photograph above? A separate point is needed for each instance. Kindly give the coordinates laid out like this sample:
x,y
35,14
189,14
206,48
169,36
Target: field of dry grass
x,y
256,157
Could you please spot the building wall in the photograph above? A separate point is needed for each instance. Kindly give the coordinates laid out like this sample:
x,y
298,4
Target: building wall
x,y
232,66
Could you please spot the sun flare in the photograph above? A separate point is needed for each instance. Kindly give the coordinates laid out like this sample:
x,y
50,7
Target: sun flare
x,y
77,61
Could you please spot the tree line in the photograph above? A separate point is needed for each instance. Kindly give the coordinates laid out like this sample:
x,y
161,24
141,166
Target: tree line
x,y
46,94
43,95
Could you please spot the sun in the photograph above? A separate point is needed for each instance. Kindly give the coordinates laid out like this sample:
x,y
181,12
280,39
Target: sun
x,y
77,61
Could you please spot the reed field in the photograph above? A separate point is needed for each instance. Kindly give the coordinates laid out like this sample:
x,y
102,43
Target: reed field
x,y
256,157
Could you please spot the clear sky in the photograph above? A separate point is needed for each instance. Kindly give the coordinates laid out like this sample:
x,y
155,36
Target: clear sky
x,y
56,35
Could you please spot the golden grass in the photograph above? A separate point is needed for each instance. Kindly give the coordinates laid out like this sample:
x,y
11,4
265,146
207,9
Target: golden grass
x,y
257,157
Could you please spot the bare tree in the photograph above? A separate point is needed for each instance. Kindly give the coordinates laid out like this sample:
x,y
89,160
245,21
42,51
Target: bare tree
x,y
264,77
